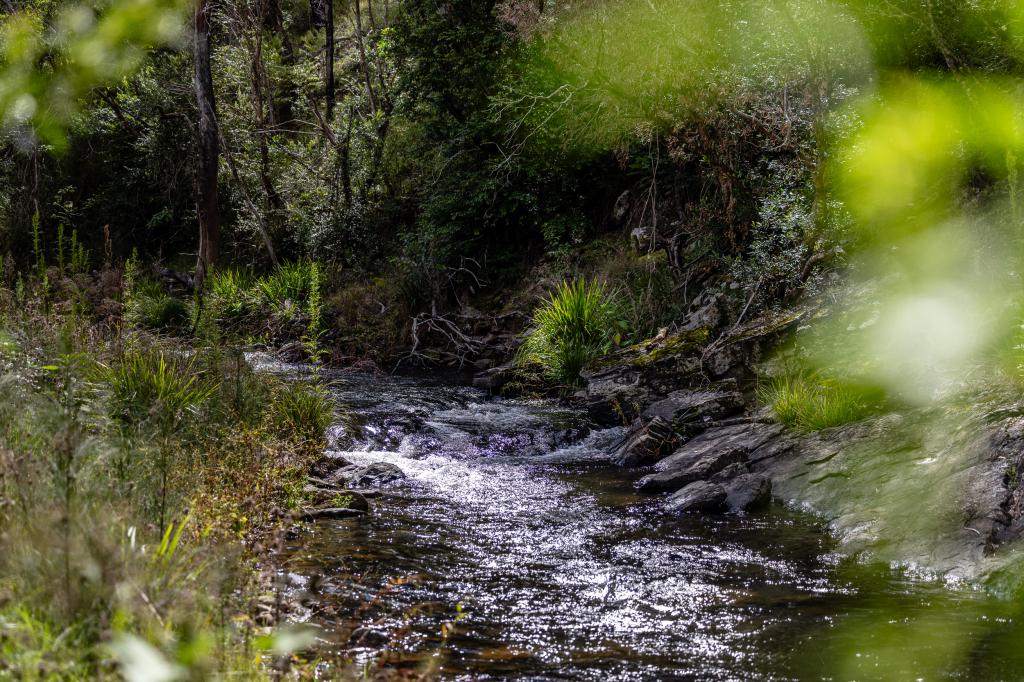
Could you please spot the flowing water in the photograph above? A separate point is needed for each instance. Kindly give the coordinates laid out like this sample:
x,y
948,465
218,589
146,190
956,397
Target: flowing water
x,y
513,551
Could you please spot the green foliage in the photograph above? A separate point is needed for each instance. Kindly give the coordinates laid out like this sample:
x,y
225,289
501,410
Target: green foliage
x,y
150,306
79,255
287,286
149,388
811,401
81,49
303,411
576,324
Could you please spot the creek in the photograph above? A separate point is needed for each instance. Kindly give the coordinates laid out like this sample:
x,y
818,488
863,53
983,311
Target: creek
x,y
513,550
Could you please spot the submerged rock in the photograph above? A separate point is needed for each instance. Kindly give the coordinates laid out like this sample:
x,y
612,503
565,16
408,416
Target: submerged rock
x,y
700,496
645,444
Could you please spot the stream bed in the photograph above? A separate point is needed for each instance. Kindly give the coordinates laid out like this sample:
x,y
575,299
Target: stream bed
x,y
513,550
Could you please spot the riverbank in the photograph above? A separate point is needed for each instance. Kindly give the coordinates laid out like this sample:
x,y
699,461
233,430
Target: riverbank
x,y
146,485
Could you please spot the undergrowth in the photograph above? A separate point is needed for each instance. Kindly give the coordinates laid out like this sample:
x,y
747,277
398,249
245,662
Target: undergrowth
x,y
139,476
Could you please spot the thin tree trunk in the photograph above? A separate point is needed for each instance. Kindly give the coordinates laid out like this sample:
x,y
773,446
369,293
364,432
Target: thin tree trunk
x,y
208,149
329,59
362,58
369,12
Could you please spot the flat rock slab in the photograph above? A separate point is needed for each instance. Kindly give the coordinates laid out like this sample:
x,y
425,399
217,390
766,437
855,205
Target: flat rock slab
x,y
699,470
700,496
707,455
331,513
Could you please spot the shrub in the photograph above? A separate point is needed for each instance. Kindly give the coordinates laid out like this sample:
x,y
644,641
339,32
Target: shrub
x,y
811,401
304,411
575,325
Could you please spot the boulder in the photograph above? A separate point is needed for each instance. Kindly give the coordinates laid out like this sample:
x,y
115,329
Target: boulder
x,y
327,465
370,475
688,410
494,379
337,497
330,513
748,493
619,386
698,470
730,472
708,454
700,496
645,444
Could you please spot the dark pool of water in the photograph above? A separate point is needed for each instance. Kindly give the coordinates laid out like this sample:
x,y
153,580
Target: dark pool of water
x,y
513,551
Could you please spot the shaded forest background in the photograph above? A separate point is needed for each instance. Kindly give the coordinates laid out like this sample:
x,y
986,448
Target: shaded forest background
x,y
433,153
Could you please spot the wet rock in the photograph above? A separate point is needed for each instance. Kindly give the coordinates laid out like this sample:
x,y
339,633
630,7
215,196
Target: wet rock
x,y
697,470
294,351
730,472
330,513
619,386
686,409
645,444
337,497
748,493
366,366
370,637
494,379
370,475
700,496
708,454
327,465
762,455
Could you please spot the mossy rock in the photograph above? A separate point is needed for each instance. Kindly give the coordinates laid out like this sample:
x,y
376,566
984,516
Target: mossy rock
x,y
654,350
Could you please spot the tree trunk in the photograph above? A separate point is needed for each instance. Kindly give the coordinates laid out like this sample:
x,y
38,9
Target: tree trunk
x,y
207,147
362,58
329,59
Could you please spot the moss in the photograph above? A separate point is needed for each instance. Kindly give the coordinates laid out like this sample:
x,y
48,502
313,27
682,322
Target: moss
x,y
686,342
768,324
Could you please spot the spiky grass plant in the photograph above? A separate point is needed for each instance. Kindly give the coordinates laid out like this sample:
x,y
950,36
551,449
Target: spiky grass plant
x,y
148,305
230,292
151,388
304,411
576,324
287,286
811,401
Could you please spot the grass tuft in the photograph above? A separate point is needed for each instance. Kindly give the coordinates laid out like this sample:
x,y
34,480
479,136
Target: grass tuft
x,y
575,325
811,401
150,388
304,411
